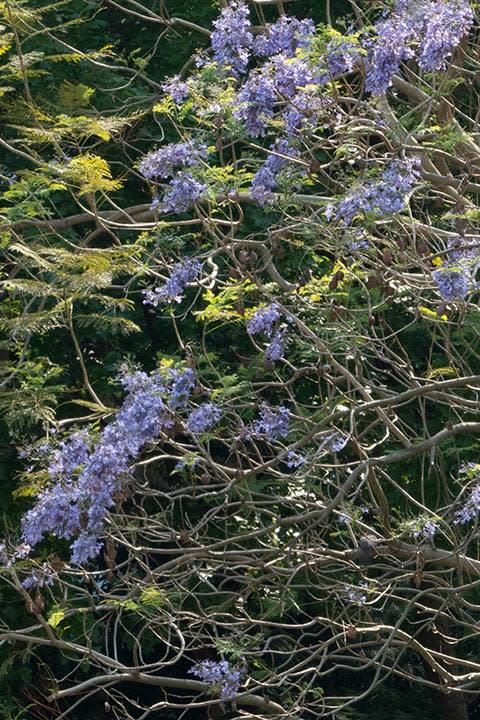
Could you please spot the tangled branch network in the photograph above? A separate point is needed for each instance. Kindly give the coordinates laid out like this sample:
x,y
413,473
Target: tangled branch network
x,y
275,492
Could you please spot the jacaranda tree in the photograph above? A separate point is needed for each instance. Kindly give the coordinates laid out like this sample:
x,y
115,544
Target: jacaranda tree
x,y
241,358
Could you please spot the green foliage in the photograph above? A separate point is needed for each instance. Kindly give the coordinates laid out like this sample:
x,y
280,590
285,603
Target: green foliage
x,y
34,393
224,306
91,174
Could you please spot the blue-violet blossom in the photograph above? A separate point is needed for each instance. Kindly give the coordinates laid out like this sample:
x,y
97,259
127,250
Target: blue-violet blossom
x,y
203,418
264,320
219,674
273,422
285,36
232,39
183,273
76,503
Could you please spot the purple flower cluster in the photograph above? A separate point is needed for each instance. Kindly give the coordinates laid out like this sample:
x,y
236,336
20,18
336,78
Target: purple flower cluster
x,y
433,27
390,49
280,79
302,111
163,162
274,422
264,320
384,196
20,552
357,595
288,77
426,531
265,179
452,284
77,501
470,510
285,36
276,350
455,279
177,89
183,192
445,23
289,74
299,85
472,506
255,103
341,57
360,242
183,274
203,418
182,383
85,547
335,442
232,39
39,578
294,460
69,455
463,249
219,674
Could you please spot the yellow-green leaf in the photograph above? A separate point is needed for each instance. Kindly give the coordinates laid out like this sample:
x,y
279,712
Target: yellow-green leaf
x,y
55,618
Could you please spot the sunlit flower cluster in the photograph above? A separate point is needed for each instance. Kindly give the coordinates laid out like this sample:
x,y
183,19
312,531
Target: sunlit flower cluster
x,y
87,475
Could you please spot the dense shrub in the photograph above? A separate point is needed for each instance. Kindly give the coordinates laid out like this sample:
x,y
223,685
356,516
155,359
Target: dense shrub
x,y
240,367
